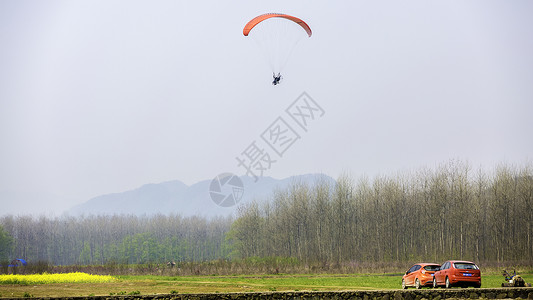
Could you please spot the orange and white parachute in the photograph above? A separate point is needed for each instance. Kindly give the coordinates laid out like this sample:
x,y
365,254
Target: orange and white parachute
x,y
277,35
253,22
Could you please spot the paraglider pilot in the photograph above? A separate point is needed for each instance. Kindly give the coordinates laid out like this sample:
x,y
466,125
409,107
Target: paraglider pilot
x,y
277,78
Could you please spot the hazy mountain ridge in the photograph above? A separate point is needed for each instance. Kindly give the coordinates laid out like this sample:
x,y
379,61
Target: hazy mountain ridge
x,y
178,198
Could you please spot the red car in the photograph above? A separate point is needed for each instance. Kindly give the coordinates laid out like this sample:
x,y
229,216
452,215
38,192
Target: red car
x,y
419,275
457,273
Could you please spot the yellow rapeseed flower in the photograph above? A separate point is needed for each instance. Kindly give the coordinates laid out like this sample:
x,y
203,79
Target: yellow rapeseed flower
x,y
45,278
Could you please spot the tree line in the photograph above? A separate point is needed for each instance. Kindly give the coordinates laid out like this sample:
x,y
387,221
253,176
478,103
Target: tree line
x,y
448,212
451,212
123,239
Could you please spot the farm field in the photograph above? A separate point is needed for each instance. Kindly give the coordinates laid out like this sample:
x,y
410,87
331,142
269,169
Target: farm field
x,y
146,285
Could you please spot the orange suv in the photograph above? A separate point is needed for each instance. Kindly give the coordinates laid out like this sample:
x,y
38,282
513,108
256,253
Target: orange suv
x,y
457,273
419,275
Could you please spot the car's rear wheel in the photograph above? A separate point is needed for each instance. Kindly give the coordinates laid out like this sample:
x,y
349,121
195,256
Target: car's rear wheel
x,y
448,284
435,285
417,283
404,286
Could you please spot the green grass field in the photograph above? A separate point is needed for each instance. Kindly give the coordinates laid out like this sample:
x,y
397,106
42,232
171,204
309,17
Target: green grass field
x,y
221,284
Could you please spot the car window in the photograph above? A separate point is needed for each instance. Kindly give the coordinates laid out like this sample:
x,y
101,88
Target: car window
x,y
465,266
431,267
417,267
412,269
445,266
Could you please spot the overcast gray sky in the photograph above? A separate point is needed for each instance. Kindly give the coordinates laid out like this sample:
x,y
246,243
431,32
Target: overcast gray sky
x,y
104,96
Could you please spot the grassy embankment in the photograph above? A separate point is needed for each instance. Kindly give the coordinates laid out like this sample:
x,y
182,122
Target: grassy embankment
x,y
222,284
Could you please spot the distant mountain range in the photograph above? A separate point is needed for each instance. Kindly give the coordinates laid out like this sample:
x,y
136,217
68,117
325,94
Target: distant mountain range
x,y
178,198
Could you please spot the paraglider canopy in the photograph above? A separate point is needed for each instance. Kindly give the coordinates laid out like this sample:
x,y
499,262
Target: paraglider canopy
x,y
250,25
276,36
